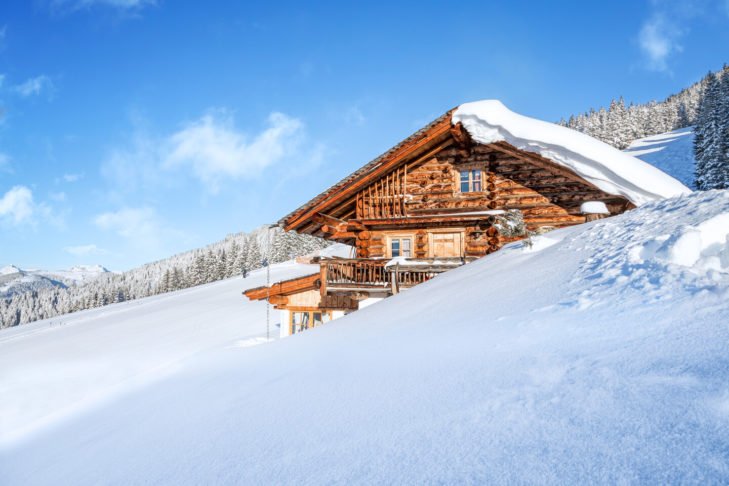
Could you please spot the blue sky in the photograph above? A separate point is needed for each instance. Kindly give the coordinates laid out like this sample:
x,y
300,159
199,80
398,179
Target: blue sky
x,y
134,130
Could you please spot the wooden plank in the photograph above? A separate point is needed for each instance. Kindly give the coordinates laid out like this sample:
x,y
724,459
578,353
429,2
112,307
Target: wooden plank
x,y
286,287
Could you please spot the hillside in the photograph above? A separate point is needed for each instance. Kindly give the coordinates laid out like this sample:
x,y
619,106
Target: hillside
x,y
672,152
53,368
14,281
596,355
32,296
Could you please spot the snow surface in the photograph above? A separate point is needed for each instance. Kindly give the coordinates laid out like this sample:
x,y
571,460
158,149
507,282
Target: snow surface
x,y
594,207
606,167
672,152
51,369
14,280
597,355
77,273
10,270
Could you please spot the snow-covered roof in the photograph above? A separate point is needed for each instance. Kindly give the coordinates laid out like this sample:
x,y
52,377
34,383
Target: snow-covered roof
x,y
606,167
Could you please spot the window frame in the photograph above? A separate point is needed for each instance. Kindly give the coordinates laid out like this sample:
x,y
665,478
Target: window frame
x,y
325,316
472,180
399,238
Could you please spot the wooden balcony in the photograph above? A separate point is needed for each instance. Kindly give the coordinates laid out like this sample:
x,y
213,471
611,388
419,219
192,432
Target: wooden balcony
x,y
376,274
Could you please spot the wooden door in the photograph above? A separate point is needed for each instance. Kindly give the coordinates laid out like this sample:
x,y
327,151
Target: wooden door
x,y
445,244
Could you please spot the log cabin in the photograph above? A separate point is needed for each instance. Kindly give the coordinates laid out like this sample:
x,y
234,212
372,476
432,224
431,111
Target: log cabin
x,y
441,197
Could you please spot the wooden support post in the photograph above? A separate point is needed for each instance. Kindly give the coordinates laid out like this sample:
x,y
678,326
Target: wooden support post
x,y
323,278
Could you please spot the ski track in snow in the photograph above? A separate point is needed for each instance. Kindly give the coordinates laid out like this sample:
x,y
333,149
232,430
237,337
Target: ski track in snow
x,y
598,355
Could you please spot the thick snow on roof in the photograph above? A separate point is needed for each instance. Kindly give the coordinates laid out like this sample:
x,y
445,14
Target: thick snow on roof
x,y
604,166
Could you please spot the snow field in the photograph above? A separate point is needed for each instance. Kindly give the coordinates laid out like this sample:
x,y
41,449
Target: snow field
x,y
671,152
587,358
52,369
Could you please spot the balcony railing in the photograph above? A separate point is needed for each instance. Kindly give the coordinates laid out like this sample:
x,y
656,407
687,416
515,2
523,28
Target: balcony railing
x,y
371,273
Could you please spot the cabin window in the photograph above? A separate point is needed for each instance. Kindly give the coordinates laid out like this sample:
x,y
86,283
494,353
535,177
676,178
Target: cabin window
x,y
470,180
303,320
400,247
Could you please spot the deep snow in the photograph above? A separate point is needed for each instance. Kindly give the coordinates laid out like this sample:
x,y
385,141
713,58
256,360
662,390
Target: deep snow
x,y
606,167
55,368
672,152
597,355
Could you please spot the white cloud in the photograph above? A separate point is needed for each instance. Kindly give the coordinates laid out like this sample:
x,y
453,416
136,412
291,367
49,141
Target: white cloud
x,y
34,86
132,223
141,227
85,250
658,39
210,149
17,205
72,177
58,196
215,150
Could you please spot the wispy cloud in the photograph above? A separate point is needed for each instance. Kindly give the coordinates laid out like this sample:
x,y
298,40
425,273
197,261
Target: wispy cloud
x,y
353,115
668,23
86,250
17,205
35,86
659,40
132,223
57,196
85,4
211,149
72,177
214,150
141,227
4,162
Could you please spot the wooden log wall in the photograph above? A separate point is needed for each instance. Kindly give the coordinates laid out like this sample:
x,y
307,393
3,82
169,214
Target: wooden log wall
x,y
430,186
545,198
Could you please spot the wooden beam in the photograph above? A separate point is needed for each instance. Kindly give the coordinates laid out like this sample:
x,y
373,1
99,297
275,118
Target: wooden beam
x,y
325,219
342,235
287,287
278,300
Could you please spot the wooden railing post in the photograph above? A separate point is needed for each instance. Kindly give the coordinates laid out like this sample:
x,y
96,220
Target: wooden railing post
x,y
323,277
395,286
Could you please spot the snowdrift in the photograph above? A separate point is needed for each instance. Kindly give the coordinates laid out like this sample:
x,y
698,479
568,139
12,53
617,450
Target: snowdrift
x,y
599,354
606,167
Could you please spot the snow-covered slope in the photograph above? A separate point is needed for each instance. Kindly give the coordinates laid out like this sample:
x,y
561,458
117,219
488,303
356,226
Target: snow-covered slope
x,y
52,368
606,167
77,273
672,152
598,355
10,270
13,280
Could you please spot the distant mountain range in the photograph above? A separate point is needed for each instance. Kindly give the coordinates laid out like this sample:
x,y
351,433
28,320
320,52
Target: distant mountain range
x,y
14,280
